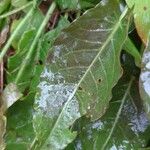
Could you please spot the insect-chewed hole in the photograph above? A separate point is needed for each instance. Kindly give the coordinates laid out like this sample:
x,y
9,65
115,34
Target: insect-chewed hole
x,y
99,80
80,88
145,8
40,62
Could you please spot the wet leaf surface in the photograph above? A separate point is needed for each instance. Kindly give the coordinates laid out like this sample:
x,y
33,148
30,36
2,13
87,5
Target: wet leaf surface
x,y
124,126
22,42
80,73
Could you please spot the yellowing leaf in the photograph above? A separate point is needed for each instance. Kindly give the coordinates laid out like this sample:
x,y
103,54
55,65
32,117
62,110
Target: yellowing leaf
x,y
141,17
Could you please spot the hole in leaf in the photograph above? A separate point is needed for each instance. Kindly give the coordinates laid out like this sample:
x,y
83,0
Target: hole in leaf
x,y
40,62
145,8
80,88
99,80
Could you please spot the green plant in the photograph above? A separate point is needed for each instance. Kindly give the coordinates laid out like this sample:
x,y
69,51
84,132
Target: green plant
x,y
77,74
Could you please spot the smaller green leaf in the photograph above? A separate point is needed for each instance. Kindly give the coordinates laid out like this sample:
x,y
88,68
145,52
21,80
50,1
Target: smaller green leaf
x,y
19,124
18,3
36,19
4,5
14,62
145,79
68,4
131,49
19,131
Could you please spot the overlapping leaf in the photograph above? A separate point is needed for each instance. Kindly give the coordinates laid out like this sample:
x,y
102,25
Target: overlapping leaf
x,y
81,71
145,79
131,49
123,127
141,17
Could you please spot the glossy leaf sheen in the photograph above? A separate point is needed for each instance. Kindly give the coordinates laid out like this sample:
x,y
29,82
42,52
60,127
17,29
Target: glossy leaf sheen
x,y
80,74
145,79
123,127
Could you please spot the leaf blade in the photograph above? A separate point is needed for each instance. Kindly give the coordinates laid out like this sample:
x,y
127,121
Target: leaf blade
x,y
61,83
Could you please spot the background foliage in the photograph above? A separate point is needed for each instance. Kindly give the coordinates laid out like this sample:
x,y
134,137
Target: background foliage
x,y
74,74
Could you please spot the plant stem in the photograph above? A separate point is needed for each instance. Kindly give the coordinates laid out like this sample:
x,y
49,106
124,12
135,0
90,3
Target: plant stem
x,y
15,10
32,47
6,47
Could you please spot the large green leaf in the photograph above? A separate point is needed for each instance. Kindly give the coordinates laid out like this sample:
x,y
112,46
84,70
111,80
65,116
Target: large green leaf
x,y
145,79
141,17
123,127
81,71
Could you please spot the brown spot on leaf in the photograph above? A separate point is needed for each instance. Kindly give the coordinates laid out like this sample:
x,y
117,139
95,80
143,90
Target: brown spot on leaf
x,y
80,88
99,80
